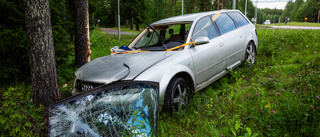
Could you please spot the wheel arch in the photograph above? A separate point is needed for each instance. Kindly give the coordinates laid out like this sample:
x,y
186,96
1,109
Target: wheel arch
x,y
181,75
186,76
164,83
244,51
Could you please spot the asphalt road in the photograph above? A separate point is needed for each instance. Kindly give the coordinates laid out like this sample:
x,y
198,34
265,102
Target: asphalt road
x,y
295,27
114,31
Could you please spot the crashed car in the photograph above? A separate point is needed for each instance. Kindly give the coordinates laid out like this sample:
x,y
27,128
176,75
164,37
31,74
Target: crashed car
x,y
210,48
181,54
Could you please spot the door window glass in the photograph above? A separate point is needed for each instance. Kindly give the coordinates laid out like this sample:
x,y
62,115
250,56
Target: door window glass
x,y
204,28
238,18
225,23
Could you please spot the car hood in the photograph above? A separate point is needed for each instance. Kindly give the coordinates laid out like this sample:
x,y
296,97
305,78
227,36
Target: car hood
x,y
115,67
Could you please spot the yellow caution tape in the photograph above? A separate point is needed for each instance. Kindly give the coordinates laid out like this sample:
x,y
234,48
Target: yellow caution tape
x,y
194,44
124,52
137,51
215,16
180,46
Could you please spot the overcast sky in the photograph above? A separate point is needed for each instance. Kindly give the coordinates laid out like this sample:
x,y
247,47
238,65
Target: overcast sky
x,y
279,4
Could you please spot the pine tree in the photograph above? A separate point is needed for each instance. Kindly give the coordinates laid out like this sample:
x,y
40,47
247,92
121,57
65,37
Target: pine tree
x,y
41,51
82,43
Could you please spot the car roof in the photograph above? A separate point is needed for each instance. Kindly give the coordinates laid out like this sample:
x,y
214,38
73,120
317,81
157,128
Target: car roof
x,y
188,18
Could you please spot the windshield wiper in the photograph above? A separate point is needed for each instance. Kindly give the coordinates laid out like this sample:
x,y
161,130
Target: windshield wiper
x,y
156,33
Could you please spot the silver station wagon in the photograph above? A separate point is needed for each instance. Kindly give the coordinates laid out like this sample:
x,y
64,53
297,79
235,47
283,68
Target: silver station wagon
x,y
183,54
158,71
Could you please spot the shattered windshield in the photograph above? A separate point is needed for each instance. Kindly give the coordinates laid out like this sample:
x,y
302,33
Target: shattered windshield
x,y
122,110
148,39
167,37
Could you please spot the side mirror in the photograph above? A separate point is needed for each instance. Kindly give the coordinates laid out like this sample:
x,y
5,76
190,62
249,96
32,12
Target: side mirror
x,y
201,40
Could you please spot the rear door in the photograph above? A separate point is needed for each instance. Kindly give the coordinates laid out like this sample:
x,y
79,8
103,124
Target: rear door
x,y
232,38
244,30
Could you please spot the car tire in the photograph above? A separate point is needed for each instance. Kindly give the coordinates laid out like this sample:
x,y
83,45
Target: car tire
x,y
177,96
250,54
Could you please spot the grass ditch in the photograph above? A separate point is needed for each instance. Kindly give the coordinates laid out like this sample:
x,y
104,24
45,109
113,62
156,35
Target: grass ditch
x,y
278,96
103,42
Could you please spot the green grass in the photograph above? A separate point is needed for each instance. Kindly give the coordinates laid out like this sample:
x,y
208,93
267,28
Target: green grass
x,y
123,28
103,42
308,24
247,101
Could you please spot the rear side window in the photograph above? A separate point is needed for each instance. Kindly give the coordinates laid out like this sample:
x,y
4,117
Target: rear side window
x,y
204,28
240,20
225,23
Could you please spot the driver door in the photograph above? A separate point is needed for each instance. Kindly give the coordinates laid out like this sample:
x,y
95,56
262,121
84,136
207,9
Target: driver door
x,y
209,59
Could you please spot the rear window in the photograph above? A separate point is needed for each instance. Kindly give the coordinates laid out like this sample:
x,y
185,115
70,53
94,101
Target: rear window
x,y
238,18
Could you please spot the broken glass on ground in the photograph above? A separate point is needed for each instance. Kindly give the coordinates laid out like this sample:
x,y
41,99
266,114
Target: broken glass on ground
x,y
112,110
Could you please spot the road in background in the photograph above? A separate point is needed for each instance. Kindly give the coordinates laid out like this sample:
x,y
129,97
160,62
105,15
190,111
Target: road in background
x,y
113,31
295,27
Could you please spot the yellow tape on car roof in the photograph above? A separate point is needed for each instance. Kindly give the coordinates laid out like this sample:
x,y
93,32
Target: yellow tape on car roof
x,y
215,16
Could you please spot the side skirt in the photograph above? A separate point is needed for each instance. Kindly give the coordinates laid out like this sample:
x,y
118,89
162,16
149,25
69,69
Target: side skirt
x,y
218,76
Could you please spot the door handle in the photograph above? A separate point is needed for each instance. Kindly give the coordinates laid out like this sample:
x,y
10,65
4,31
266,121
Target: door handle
x,y
221,44
241,36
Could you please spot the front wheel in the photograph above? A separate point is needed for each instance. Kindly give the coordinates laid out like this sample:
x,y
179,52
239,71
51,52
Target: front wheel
x,y
250,55
177,95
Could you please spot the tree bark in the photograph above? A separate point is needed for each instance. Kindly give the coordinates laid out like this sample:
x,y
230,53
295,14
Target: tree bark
x,y
115,17
127,23
131,22
82,43
137,24
45,89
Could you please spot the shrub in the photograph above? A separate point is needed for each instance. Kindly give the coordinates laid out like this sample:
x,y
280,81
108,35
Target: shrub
x,y
18,115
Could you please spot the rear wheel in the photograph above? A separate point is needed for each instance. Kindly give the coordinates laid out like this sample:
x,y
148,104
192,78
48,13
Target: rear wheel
x,y
250,55
177,95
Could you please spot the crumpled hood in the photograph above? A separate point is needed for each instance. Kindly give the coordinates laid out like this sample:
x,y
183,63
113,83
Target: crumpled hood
x,y
112,68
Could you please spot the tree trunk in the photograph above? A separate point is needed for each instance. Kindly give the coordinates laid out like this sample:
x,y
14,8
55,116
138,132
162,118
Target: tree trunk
x,y
194,5
224,4
82,43
115,17
45,89
131,23
137,24
127,23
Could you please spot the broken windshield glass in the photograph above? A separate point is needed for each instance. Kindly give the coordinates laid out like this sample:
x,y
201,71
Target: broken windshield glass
x,y
148,39
114,110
